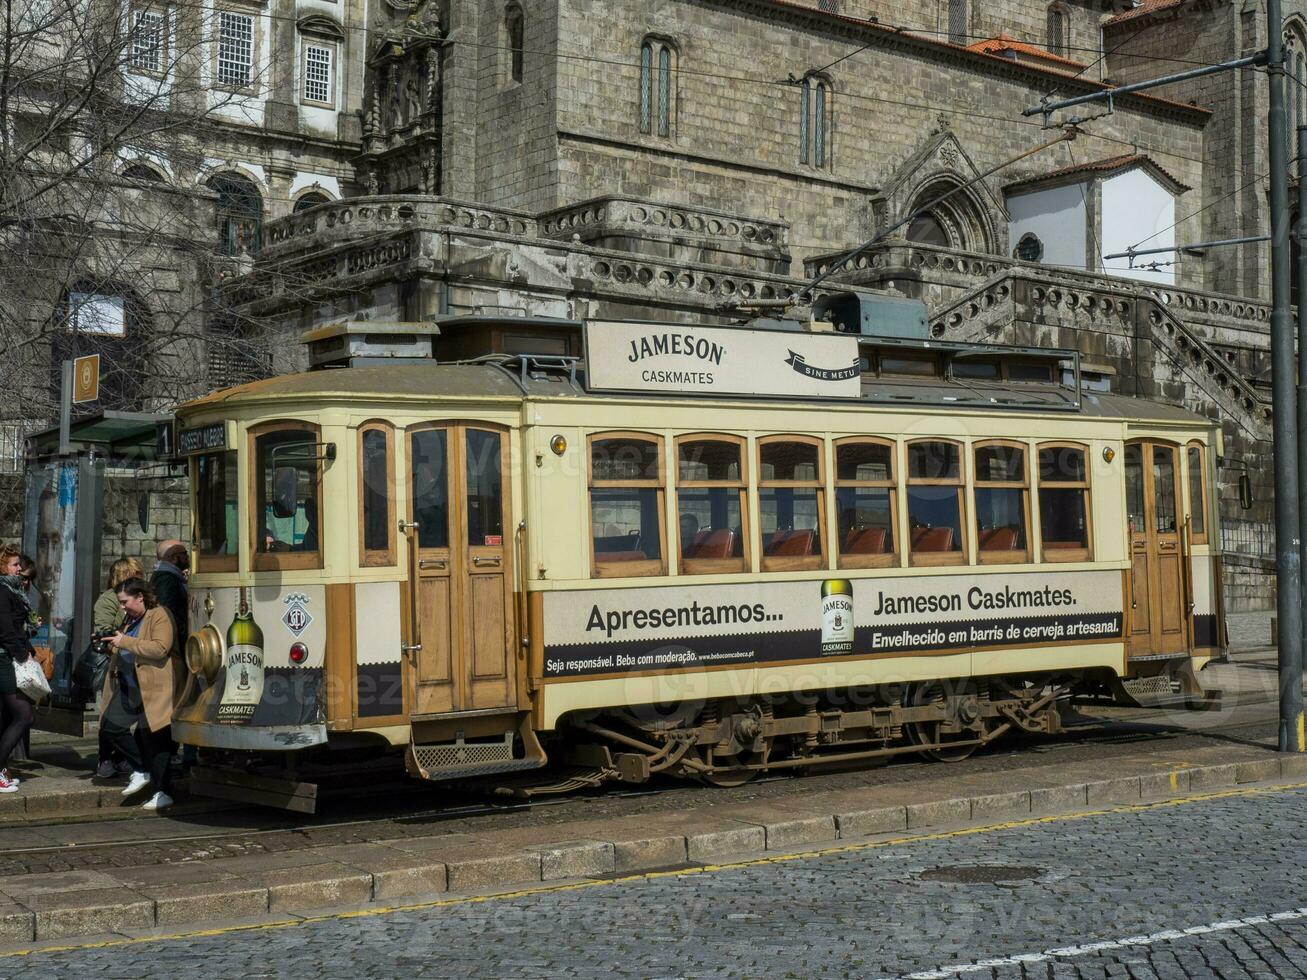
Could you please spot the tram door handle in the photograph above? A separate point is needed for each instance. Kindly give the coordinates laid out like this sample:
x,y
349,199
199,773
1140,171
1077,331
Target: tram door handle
x,y
407,649
485,561
432,563
406,526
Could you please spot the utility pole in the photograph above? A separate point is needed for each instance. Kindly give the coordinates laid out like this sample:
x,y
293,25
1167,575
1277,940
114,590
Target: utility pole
x,y
1288,539
1301,299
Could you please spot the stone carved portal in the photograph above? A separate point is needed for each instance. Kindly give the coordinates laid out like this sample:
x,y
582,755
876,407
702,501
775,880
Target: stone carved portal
x,y
402,122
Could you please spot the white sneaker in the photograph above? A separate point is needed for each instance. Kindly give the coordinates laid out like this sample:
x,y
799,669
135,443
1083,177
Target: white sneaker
x,y
13,779
159,801
7,785
138,782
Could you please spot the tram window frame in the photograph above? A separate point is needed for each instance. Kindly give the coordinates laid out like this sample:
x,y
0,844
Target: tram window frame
x,y
1197,508
206,561
265,561
958,556
1006,555
1085,487
658,483
714,566
881,559
794,563
904,363
377,557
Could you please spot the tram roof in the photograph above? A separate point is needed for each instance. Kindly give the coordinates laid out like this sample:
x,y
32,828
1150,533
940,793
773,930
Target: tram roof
x,y
498,382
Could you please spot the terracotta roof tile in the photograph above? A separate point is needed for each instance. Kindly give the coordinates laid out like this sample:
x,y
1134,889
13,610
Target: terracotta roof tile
x,y
1107,165
1002,44
1146,7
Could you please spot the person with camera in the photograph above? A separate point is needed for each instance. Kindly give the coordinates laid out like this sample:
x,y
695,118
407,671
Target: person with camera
x,y
15,648
106,617
144,675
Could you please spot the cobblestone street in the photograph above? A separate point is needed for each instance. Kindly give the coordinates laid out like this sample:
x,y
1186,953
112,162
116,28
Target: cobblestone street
x,y
1107,894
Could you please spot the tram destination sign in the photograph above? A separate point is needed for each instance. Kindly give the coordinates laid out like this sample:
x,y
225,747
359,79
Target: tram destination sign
x,y
202,439
688,359
594,632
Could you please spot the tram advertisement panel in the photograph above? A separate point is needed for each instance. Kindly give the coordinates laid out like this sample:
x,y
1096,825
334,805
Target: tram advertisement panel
x,y
616,631
697,360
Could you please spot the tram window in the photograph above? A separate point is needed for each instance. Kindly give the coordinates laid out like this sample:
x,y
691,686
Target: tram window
x,y
710,504
1136,513
971,367
1029,371
1064,502
1197,494
376,495
626,505
910,365
934,499
1001,502
216,492
429,486
791,504
1164,489
485,489
864,501
286,530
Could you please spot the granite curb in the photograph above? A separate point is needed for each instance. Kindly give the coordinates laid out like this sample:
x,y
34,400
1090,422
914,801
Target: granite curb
x,y
411,870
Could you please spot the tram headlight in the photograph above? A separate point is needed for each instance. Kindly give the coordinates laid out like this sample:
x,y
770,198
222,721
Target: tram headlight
x,y
204,652
558,444
1109,454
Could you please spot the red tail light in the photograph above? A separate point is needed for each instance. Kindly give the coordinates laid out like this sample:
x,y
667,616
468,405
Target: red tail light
x,y
298,653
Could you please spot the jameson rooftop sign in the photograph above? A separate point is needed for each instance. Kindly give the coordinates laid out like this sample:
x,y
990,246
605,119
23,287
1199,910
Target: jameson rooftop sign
x,y
696,360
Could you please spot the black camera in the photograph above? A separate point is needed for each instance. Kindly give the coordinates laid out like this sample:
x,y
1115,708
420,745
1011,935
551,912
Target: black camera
x,y
100,641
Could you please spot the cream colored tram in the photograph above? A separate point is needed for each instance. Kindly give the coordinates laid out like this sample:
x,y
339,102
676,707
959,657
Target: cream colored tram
x,y
700,551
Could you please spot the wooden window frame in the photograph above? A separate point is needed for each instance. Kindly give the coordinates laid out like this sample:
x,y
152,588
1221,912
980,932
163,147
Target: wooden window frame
x,y
1017,556
926,558
378,557
1085,486
333,53
715,566
202,560
628,569
274,561
1194,536
802,563
891,558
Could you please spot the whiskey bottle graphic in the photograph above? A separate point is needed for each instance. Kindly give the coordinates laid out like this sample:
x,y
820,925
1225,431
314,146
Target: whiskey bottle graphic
x,y
243,689
836,617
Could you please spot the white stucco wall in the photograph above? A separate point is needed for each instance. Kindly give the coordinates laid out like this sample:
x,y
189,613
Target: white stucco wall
x,y
1056,216
1135,207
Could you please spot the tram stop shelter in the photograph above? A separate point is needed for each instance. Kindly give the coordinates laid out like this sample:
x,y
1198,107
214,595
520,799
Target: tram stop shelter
x,y
63,527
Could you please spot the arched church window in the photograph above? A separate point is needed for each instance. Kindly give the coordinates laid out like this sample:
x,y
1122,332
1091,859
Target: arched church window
x,y
311,200
928,230
1029,248
142,171
814,121
958,27
240,212
515,31
657,87
1057,29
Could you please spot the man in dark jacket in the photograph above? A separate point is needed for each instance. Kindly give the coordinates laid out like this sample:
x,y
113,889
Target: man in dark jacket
x,y
169,585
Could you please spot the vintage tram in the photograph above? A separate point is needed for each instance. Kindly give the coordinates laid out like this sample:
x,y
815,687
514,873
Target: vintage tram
x,y
703,551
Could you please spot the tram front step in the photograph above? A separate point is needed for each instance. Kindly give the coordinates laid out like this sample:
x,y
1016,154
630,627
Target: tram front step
x,y
460,758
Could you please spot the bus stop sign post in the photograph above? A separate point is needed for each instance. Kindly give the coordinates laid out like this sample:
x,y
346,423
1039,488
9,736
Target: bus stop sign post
x,y
1288,561
80,383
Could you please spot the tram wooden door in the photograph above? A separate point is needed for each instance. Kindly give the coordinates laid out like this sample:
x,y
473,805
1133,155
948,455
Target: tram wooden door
x,y
1158,624
460,601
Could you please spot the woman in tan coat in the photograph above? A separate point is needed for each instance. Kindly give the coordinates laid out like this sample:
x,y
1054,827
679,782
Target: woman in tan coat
x,y
144,675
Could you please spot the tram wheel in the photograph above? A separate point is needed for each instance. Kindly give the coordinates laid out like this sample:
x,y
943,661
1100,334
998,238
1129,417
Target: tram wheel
x,y
747,726
928,733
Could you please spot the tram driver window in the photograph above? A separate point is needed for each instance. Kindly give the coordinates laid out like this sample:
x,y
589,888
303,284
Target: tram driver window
x,y
1001,502
865,503
216,490
376,495
791,505
1197,493
287,516
626,505
934,499
710,488
1064,503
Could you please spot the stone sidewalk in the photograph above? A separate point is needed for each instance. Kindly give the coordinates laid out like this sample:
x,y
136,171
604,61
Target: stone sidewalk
x,y
225,890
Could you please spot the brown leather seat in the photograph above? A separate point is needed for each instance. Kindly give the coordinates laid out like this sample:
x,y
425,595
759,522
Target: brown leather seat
x,y
712,543
932,539
864,541
791,544
999,539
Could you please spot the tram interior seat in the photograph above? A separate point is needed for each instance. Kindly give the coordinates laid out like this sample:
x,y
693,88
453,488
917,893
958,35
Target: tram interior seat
x,y
864,541
932,539
791,544
712,543
999,539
